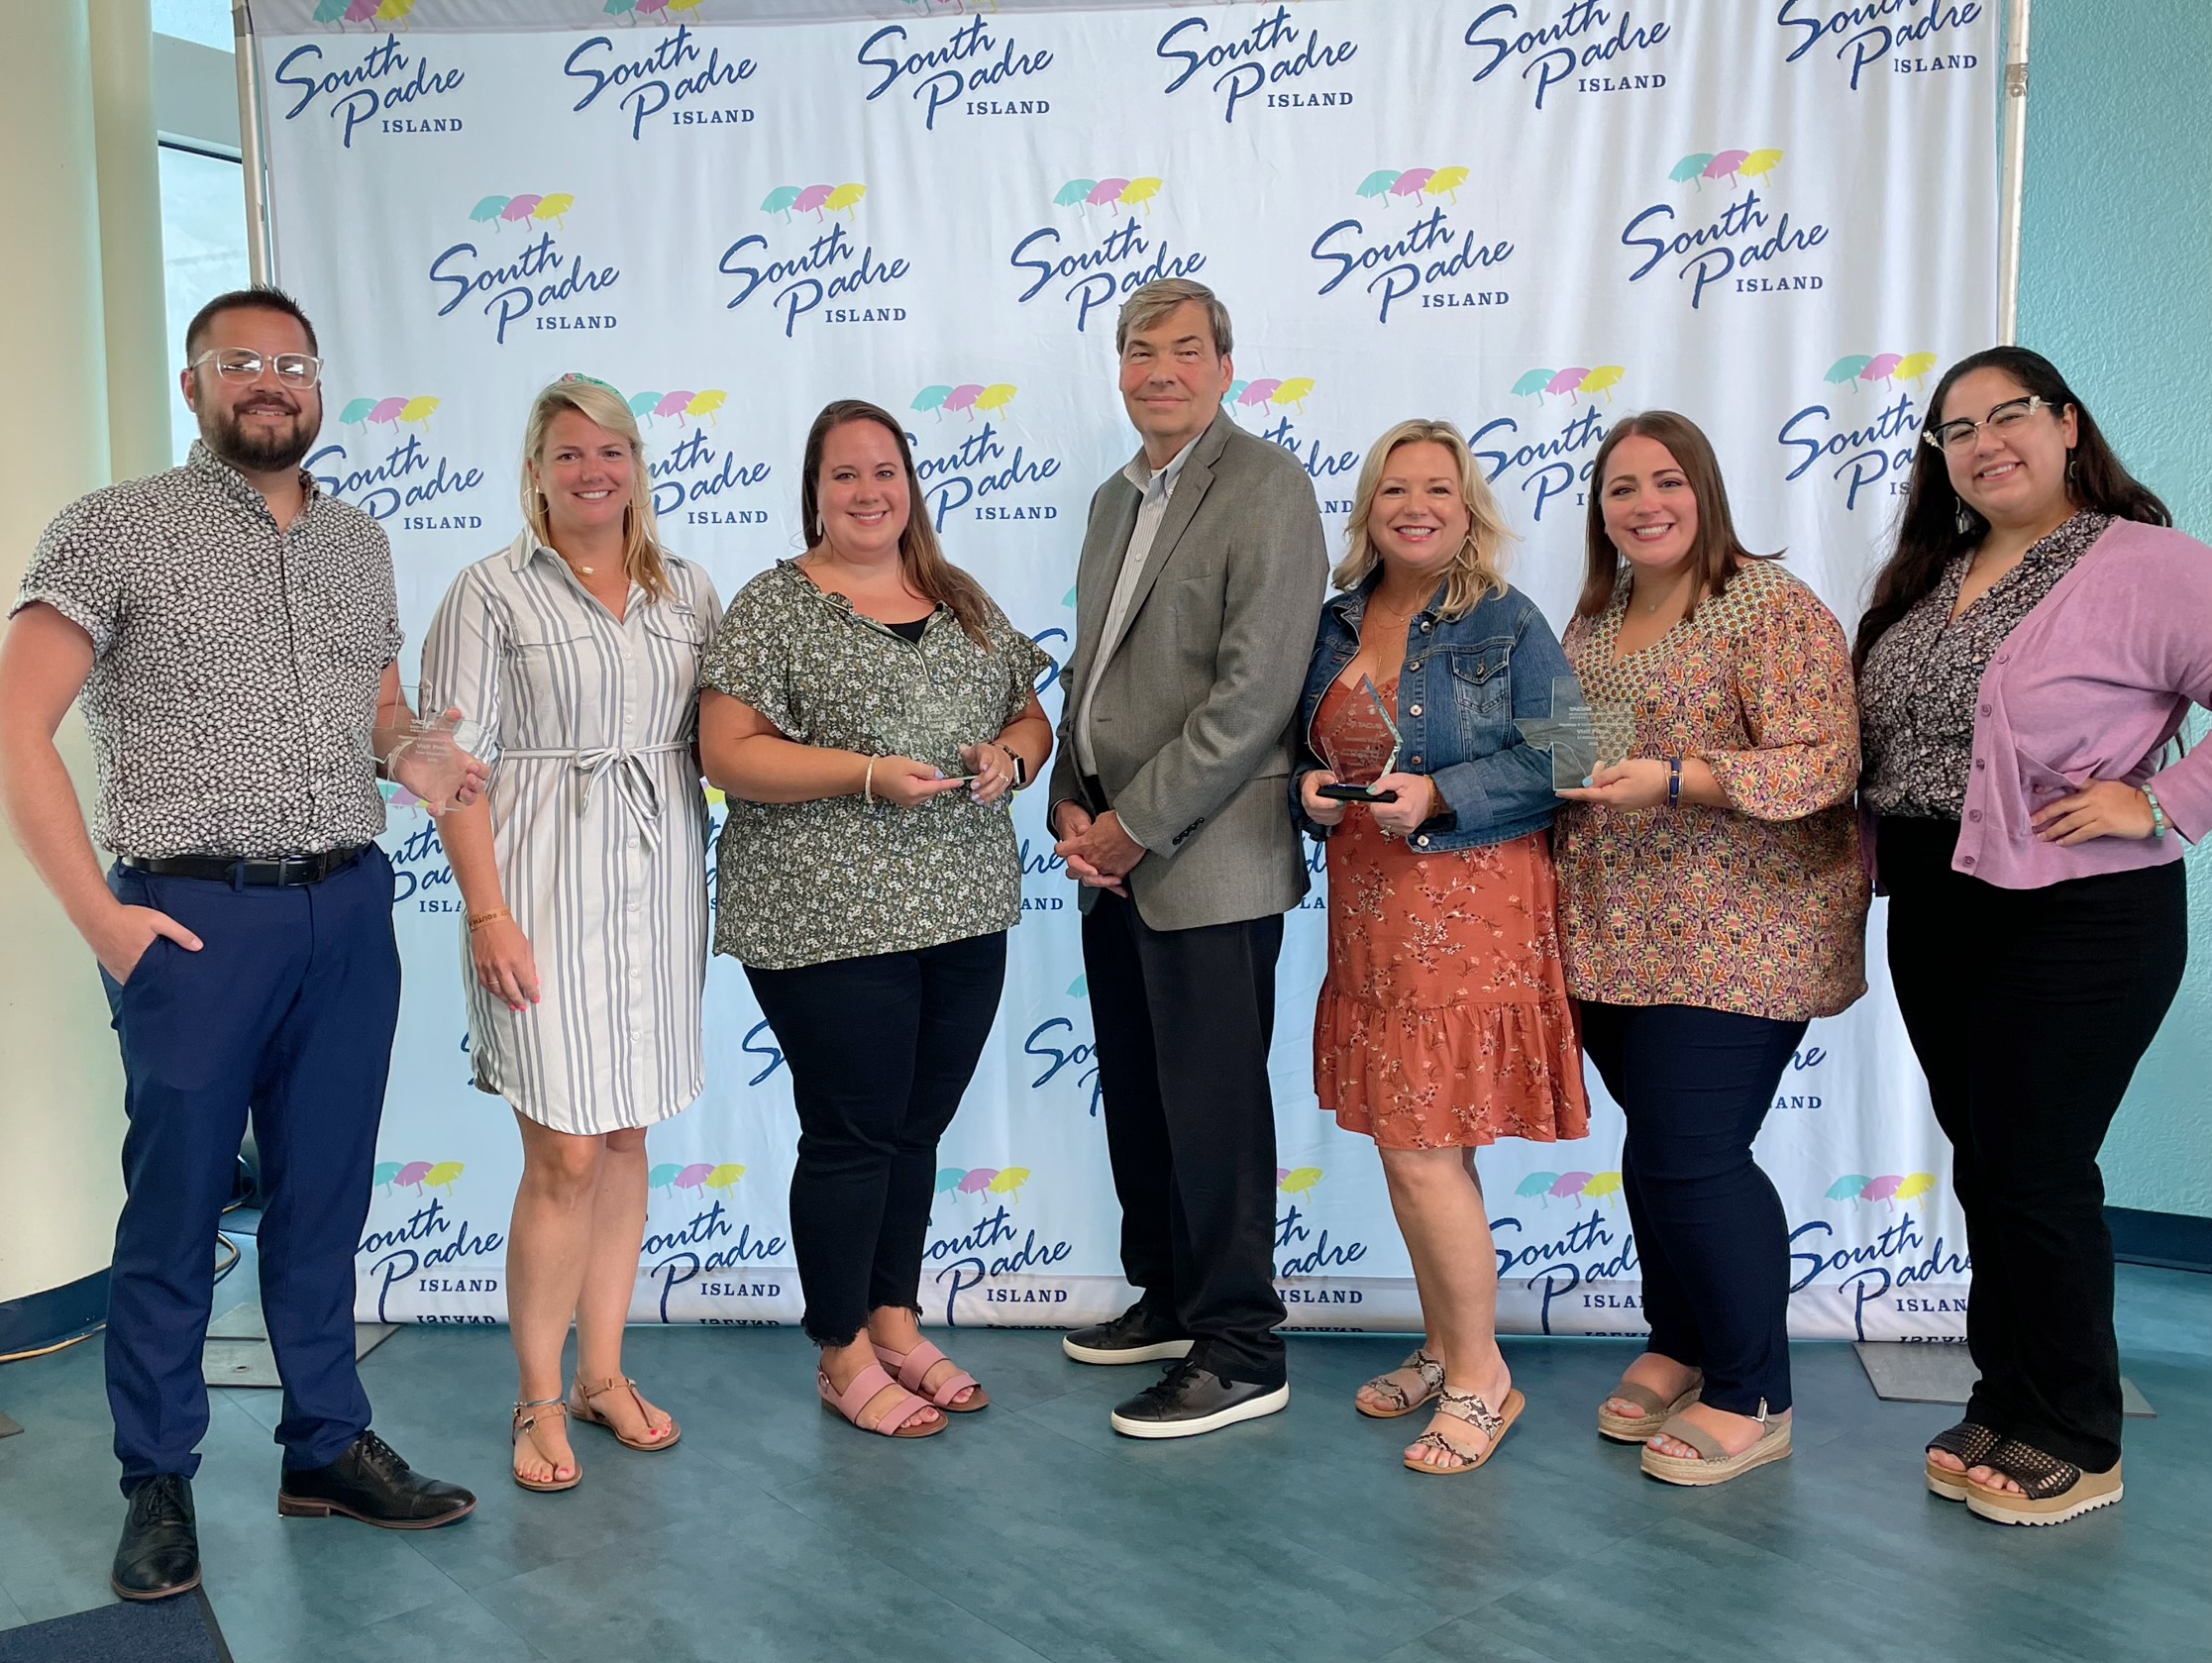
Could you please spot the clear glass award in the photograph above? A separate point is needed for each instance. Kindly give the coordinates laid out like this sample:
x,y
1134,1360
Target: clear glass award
x,y
431,762
1361,746
1582,735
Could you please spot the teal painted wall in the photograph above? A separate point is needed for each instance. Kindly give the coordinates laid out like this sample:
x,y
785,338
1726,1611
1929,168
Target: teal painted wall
x,y
2116,289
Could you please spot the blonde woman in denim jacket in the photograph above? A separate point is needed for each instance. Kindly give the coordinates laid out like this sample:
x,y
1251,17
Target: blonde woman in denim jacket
x,y
1444,1021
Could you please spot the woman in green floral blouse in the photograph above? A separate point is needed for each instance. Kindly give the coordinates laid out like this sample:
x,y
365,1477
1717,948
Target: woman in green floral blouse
x,y
868,710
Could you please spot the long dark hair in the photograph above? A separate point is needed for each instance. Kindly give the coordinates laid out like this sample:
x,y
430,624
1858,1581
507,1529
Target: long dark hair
x,y
1717,554
920,556
1937,526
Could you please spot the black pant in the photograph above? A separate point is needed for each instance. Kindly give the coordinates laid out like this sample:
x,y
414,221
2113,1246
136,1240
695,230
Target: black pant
x,y
880,1049
1183,1021
2029,1010
1710,1231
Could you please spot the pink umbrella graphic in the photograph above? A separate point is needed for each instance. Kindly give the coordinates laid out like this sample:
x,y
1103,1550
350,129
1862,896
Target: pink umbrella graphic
x,y
388,411
1570,1183
412,1173
1568,381
1258,392
1409,183
1724,165
978,1181
964,396
519,207
811,200
1883,368
674,404
694,1175
1107,192
1881,1189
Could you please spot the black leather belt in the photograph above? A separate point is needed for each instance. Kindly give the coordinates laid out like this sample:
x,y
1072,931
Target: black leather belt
x,y
281,870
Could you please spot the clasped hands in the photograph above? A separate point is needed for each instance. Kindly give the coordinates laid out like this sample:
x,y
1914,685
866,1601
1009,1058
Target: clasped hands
x,y
1097,848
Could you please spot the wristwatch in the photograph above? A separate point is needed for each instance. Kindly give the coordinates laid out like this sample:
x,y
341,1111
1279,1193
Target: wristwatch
x,y
1020,767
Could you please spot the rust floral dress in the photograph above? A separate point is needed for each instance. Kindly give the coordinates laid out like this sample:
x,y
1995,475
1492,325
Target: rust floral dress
x,y
1444,1019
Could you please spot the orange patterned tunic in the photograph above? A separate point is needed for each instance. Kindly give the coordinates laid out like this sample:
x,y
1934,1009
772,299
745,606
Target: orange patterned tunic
x,y
1444,1019
1758,908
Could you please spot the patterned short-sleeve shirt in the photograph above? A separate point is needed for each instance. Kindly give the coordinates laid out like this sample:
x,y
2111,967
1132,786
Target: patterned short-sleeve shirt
x,y
1923,680
234,664
805,882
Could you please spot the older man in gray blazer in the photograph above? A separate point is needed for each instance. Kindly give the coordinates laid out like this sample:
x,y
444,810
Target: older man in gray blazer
x,y
1203,573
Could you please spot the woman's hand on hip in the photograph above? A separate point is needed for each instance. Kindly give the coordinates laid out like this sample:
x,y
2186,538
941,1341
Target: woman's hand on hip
x,y
1418,803
1322,811
505,965
904,783
2103,809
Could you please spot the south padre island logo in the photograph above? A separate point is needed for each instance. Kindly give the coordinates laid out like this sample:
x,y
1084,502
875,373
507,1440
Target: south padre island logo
x,y
1275,405
1126,255
832,281
1742,239
698,480
1866,446
966,465
413,485
1548,460
530,279
1428,263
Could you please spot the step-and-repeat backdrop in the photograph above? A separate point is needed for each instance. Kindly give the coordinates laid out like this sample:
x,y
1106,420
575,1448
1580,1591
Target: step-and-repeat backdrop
x,y
1528,218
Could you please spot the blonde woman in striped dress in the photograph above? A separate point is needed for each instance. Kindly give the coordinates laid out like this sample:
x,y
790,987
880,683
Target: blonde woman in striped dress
x,y
584,873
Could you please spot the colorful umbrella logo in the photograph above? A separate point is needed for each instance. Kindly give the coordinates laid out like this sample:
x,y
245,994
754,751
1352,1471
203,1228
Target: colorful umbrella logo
x,y
1297,1181
1570,1183
1412,183
725,1177
1602,1184
1847,1188
1008,1181
663,1177
1537,1183
977,1180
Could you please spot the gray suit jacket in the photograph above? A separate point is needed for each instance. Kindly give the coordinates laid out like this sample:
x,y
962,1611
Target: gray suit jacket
x,y
1191,722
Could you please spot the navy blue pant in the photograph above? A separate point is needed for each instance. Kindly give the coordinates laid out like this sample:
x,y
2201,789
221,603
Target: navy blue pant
x,y
289,1012
882,1048
1695,1085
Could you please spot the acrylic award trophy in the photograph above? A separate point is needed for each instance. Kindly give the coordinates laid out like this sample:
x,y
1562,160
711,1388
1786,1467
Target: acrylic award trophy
x,y
1361,746
437,751
1581,736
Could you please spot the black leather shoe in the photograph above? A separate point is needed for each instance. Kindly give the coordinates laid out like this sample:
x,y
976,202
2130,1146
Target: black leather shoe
x,y
160,1554
370,1483
1138,1335
1191,1401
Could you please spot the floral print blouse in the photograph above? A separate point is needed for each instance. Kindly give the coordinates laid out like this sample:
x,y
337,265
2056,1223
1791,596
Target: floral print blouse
x,y
1923,679
1758,908
805,882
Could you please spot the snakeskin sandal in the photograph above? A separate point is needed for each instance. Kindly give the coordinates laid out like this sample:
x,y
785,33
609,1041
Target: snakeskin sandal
x,y
1397,1401
1493,1423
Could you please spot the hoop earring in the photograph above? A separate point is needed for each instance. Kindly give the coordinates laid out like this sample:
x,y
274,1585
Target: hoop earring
x,y
2070,476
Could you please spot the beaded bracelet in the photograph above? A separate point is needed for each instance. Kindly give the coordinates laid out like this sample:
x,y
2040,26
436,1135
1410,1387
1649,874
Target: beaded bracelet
x,y
2158,814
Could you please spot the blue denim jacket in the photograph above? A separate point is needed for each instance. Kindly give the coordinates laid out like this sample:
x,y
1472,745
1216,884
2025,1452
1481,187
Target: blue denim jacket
x,y
1465,680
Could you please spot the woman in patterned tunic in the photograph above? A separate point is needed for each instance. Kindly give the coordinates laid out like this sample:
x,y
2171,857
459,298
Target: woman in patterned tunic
x,y
1714,903
868,709
584,873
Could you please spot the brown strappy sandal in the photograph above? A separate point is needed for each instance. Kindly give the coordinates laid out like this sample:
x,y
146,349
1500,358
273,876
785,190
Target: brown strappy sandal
x,y
1493,1423
1971,1442
579,1408
1400,1402
526,1421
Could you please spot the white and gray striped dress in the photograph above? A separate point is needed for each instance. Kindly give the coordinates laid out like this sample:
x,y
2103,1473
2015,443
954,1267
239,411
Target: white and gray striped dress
x,y
600,821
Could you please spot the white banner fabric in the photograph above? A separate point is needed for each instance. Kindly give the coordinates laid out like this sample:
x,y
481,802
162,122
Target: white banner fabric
x,y
1529,219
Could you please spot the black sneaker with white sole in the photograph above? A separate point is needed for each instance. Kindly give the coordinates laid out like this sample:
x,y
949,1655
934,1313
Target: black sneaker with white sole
x,y
1138,1335
1192,1399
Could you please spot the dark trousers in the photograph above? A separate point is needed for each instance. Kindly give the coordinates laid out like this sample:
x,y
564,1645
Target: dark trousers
x,y
2029,1010
880,1049
1695,1085
287,1011
1183,1021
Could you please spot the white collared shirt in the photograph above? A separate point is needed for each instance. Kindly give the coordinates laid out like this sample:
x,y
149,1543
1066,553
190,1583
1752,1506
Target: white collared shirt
x,y
1157,486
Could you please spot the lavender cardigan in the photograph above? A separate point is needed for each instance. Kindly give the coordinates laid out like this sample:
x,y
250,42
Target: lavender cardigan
x,y
2092,685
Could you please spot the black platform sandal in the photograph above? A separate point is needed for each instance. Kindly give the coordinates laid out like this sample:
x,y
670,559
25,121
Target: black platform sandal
x,y
1971,1442
2051,1490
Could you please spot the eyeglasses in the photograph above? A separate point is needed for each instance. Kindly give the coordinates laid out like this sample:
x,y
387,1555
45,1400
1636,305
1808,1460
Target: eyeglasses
x,y
2005,418
296,370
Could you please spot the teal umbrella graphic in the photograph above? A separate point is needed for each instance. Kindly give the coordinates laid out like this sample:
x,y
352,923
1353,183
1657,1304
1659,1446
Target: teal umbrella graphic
x,y
780,200
489,209
1075,193
1692,167
1845,371
1533,384
933,399
1537,1183
1378,183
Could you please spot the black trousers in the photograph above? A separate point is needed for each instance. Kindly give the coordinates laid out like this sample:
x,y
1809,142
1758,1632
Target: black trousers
x,y
2029,1010
1183,1021
880,1050
1695,1085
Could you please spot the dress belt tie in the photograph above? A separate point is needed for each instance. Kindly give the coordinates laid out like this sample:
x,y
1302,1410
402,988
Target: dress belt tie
x,y
632,780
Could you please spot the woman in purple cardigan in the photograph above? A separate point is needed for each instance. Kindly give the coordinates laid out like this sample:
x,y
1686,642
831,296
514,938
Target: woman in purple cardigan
x,y
2026,659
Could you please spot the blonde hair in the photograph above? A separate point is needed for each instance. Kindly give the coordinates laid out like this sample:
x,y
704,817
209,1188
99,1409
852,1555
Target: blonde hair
x,y
643,558
1477,564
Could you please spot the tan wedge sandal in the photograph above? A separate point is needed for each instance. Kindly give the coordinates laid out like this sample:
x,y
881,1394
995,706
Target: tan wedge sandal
x,y
1635,1428
579,1408
1713,1463
526,1422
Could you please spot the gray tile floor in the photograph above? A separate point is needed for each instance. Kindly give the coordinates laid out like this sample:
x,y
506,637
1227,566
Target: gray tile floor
x,y
773,1531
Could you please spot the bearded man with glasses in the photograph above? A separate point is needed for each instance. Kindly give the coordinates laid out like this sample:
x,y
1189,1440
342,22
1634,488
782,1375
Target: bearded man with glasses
x,y
233,632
